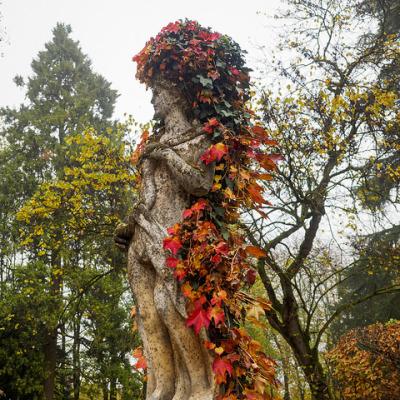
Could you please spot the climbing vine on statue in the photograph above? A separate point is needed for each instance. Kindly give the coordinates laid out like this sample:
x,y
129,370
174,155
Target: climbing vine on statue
x,y
207,251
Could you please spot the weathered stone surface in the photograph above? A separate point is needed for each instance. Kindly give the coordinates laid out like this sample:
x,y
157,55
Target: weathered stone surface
x,y
179,366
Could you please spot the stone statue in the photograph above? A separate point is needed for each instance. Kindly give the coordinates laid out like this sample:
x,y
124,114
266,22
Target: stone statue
x,y
179,367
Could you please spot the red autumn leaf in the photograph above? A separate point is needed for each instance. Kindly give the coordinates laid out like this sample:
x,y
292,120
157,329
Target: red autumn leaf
x,y
259,131
207,157
229,346
218,297
180,272
172,262
254,143
221,367
262,135
215,36
187,213
204,230
255,251
217,314
267,161
187,290
251,154
210,125
216,259
200,301
199,205
172,27
219,150
196,207
198,318
206,36
251,276
222,248
263,177
191,26
209,345
270,142
172,244
234,71
207,129
173,230
215,152
213,122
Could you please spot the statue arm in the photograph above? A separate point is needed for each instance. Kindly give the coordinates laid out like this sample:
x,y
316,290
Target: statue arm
x,y
149,195
124,231
195,179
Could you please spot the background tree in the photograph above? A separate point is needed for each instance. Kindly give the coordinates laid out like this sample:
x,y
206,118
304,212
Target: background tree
x,y
332,115
377,266
68,182
366,363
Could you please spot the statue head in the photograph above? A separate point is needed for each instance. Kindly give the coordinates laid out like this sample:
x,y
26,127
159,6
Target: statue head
x,y
202,69
167,96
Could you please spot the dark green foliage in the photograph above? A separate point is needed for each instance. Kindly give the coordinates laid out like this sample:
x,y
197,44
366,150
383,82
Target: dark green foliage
x,y
378,266
24,311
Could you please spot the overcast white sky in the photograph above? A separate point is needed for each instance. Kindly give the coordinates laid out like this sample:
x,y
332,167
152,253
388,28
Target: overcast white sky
x,y
111,32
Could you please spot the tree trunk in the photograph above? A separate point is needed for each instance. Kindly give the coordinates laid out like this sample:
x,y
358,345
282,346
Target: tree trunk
x,y
76,357
65,383
50,363
50,345
299,341
285,367
105,390
113,389
308,361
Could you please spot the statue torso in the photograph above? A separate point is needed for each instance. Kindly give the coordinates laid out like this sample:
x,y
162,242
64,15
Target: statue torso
x,y
171,199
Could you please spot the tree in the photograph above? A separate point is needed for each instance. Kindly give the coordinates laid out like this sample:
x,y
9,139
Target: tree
x,y
24,313
64,97
365,363
328,113
74,216
377,266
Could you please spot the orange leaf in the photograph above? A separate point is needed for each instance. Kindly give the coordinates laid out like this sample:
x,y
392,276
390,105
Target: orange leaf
x,y
255,252
141,361
254,191
214,152
263,177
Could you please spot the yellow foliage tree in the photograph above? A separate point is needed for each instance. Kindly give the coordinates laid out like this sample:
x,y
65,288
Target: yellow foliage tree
x,y
83,202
